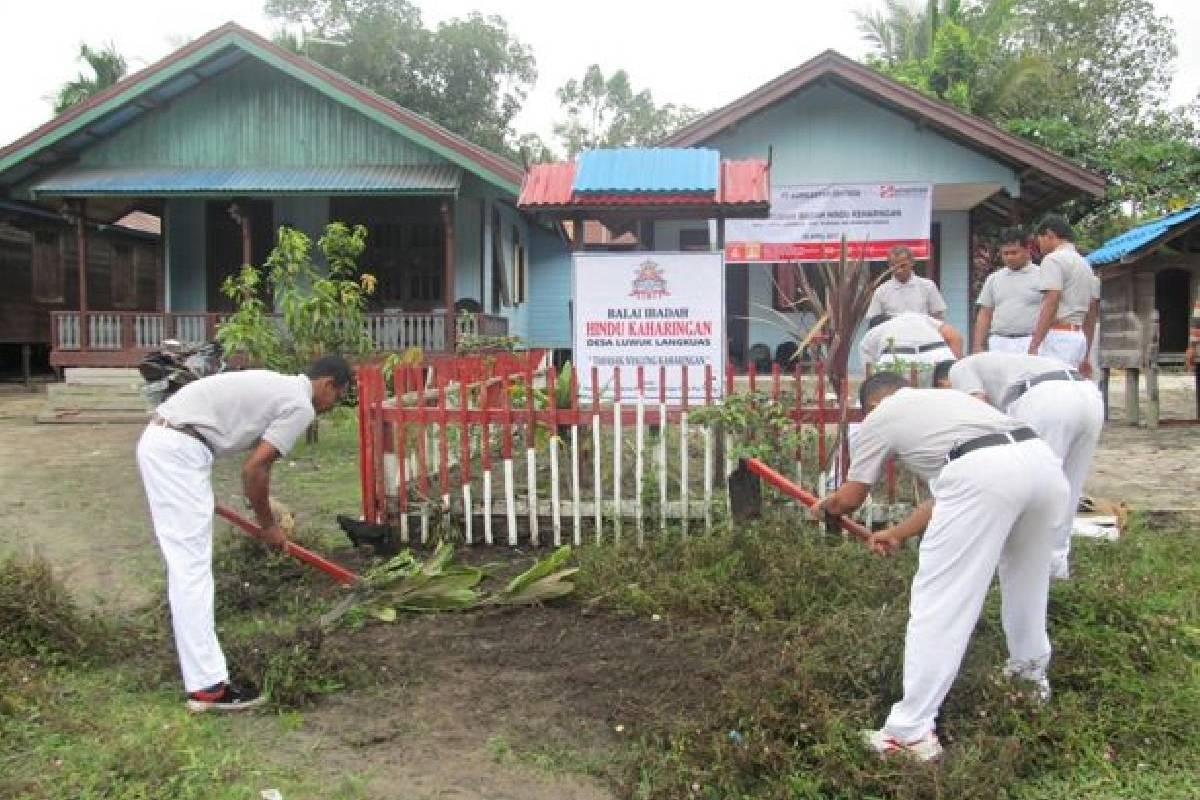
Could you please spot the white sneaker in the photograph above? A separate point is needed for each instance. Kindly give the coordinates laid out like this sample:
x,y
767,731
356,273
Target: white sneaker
x,y
1033,679
926,748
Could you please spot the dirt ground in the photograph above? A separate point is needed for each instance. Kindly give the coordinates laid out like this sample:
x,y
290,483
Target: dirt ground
x,y
476,686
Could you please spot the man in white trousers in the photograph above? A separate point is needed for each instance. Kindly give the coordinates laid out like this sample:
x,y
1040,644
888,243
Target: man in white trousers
x,y
256,410
1066,323
909,337
1063,407
1010,299
997,491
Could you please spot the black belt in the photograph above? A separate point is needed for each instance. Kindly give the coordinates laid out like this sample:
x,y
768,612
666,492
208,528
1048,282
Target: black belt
x,y
914,349
1010,335
1017,389
990,440
186,430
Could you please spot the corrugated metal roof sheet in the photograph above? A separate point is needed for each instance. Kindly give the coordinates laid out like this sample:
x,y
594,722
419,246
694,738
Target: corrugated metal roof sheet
x,y
547,185
648,169
744,182
1134,239
390,179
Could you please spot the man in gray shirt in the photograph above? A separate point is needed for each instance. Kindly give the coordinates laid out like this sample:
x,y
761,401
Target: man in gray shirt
x,y
905,291
909,337
256,410
997,491
1063,407
1066,322
1010,299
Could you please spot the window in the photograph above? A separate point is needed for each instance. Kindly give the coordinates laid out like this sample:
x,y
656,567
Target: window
x,y
693,240
48,278
124,277
520,281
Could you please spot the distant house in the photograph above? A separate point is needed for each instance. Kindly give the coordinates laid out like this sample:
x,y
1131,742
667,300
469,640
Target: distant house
x,y
39,274
230,137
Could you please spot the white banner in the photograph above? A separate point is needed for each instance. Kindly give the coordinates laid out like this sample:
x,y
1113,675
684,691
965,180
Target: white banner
x,y
808,222
657,311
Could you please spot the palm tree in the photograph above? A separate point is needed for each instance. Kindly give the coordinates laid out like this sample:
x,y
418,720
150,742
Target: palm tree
x,y
902,30
107,66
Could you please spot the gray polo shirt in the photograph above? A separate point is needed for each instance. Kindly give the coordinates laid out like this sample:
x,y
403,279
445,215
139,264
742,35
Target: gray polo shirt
x,y
905,330
233,410
1015,296
916,294
919,427
1067,271
993,374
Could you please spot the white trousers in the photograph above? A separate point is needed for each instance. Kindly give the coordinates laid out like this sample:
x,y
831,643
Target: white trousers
x,y
993,509
1069,347
177,474
1068,416
1009,344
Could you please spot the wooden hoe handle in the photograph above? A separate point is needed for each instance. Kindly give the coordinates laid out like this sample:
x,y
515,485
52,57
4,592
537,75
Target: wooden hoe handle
x,y
339,573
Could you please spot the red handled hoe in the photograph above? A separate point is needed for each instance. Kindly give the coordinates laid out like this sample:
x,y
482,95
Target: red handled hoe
x,y
745,500
339,573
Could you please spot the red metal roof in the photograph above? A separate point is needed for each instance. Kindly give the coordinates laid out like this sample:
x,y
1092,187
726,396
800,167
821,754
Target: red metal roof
x,y
743,183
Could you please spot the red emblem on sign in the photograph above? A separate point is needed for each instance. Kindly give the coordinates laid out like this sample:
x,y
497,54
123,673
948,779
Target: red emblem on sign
x,y
648,282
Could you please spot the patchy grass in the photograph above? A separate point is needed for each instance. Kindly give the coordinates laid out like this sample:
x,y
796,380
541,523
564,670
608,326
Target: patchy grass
x,y
38,617
1121,724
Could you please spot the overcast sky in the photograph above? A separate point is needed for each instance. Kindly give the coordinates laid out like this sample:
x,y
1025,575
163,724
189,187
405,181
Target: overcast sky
x,y
703,58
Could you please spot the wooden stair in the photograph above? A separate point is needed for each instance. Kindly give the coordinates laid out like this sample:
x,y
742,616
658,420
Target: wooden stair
x,y
92,395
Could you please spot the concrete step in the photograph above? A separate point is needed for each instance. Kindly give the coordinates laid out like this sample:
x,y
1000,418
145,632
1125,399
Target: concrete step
x,y
93,417
101,376
68,390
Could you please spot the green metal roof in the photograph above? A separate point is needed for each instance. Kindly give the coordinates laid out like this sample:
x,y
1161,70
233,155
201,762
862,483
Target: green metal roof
x,y
61,139
152,181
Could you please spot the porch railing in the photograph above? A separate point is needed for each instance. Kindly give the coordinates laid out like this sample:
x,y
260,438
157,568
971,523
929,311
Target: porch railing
x,y
130,331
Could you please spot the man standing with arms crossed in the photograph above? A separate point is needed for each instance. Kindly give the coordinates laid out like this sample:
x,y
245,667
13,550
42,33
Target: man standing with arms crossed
x,y
997,491
905,291
1066,323
256,410
1010,299
1063,407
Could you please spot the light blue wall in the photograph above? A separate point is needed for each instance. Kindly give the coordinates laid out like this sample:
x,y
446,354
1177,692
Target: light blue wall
x,y
955,267
827,134
183,229
550,289
518,315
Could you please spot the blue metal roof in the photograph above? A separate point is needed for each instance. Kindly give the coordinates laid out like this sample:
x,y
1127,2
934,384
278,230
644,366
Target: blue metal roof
x,y
648,169
152,181
1134,239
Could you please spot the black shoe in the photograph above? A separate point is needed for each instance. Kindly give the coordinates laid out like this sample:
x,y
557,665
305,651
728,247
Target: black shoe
x,y
223,697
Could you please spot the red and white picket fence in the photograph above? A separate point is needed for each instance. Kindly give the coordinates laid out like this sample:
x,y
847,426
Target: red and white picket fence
x,y
450,440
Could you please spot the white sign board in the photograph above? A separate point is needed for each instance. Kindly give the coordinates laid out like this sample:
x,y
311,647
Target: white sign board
x,y
657,311
808,222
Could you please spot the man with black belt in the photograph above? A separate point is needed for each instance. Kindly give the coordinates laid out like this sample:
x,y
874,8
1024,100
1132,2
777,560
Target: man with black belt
x,y
1066,322
909,337
1060,404
256,410
997,491
1009,300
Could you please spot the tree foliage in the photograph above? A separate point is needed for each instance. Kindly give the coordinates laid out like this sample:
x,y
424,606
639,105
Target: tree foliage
x,y
321,311
1085,78
470,74
606,111
106,65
